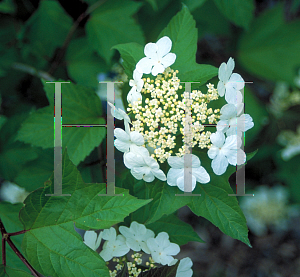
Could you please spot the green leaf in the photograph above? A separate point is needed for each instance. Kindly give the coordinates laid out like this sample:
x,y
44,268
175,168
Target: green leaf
x,y
83,63
34,173
6,271
164,271
9,214
238,12
215,205
179,232
183,33
52,246
131,53
80,105
7,6
164,200
45,30
271,45
112,24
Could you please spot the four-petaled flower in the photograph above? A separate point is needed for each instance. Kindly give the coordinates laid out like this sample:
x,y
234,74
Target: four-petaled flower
x,y
115,246
157,57
137,85
136,236
176,174
225,151
162,249
142,165
230,84
233,122
124,140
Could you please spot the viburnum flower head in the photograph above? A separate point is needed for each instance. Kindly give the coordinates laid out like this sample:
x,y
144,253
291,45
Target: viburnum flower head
x,y
137,236
124,140
92,240
115,246
230,83
137,85
162,249
142,165
224,152
157,57
175,176
232,121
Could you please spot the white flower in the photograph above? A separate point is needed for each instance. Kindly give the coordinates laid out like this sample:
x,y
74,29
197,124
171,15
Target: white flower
x,y
232,122
162,249
115,246
223,152
230,84
157,57
12,193
123,141
91,240
136,236
142,165
121,115
137,85
184,268
267,208
175,176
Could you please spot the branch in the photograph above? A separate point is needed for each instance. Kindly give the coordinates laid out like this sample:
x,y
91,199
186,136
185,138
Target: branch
x,y
61,52
6,237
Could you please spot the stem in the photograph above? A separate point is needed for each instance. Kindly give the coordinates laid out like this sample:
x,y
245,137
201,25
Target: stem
x,y
32,71
63,49
6,237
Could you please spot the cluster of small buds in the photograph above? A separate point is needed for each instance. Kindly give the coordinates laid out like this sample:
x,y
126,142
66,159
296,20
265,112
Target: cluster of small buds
x,y
132,266
163,113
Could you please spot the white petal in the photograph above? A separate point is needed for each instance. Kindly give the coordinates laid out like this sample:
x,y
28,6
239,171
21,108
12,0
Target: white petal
x,y
164,46
228,111
231,155
137,138
173,175
121,250
133,244
245,122
157,68
150,50
232,142
137,75
109,234
139,85
132,160
213,151
121,135
241,157
237,80
219,164
184,268
139,150
217,139
221,88
222,73
168,60
201,175
151,162
90,239
122,146
230,67
222,126
188,187
159,174
173,249
175,162
106,254
149,177
233,96
145,65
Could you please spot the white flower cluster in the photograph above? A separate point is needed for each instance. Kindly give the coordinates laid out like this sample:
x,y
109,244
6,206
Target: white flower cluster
x,y
137,238
164,109
269,208
233,122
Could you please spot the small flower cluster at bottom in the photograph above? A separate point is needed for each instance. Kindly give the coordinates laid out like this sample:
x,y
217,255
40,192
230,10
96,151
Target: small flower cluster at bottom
x,y
137,238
